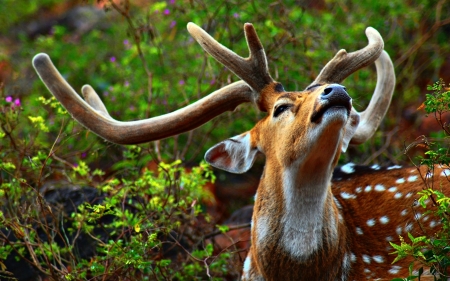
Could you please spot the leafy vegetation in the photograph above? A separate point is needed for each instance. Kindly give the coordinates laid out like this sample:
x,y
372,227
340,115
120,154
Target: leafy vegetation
x,y
432,249
143,62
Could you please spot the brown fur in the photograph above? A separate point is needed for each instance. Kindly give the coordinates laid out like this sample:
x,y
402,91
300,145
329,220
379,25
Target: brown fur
x,y
367,255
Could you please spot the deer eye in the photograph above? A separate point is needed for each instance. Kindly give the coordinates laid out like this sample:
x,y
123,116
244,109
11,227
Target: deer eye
x,y
280,109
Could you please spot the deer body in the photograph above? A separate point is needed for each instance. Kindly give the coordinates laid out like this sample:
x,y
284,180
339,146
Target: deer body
x,y
304,226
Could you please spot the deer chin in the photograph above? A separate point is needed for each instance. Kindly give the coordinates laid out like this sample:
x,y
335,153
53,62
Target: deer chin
x,y
331,113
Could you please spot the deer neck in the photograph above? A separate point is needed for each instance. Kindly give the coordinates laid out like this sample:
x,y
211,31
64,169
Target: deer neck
x,y
296,217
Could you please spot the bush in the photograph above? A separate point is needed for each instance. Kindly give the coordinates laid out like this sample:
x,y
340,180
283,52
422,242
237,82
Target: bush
x,y
433,249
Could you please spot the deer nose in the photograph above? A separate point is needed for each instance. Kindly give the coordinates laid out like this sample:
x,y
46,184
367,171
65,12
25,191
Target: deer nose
x,y
335,93
334,89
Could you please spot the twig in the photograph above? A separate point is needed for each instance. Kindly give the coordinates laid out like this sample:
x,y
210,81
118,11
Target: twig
x,y
217,232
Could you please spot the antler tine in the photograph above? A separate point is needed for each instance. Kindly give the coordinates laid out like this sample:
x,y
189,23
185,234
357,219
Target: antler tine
x,y
92,98
253,70
94,116
343,64
380,101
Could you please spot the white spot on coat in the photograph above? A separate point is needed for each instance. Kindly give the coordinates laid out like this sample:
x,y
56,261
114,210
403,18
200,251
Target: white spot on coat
x,y
398,195
412,178
379,188
395,269
347,195
368,188
348,168
394,167
358,189
392,189
378,259
401,180
375,167
352,257
371,222
359,231
366,259
384,219
398,230
408,227
404,212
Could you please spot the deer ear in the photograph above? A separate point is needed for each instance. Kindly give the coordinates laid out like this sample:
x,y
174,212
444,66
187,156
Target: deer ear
x,y
235,155
350,129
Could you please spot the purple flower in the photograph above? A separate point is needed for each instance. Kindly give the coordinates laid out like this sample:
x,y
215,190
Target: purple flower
x,y
17,102
83,155
236,15
166,11
172,24
181,82
112,59
172,2
212,82
126,84
8,99
126,42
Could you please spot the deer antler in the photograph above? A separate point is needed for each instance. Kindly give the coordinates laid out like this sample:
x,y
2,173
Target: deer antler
x,y
94,116
253,70
344,64
380,101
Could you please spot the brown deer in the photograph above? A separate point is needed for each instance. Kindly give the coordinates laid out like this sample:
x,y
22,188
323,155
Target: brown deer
x,y
303,227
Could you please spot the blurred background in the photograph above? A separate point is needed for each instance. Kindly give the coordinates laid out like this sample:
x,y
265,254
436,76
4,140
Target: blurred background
x,y
139,56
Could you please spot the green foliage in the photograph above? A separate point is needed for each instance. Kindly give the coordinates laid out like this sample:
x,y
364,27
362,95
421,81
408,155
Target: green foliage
x,y
432,250
147,225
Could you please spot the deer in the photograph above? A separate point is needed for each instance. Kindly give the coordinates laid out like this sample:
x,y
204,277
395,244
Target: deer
x,y
304,225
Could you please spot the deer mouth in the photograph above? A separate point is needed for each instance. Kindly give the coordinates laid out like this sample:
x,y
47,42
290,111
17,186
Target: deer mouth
x,y
334,105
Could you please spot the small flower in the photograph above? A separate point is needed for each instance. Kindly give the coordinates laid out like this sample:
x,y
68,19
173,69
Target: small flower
x,y
166,12
126,84
17,102
172,24
172,2
181,82
112,59
8,99
212,82
236,15
83,155
126,42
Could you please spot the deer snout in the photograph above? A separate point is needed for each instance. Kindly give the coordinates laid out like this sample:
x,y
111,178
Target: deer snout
x,y
333,96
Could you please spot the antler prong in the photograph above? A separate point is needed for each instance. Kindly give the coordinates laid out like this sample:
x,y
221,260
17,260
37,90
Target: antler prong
x,y
253,70
343,64
92,98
